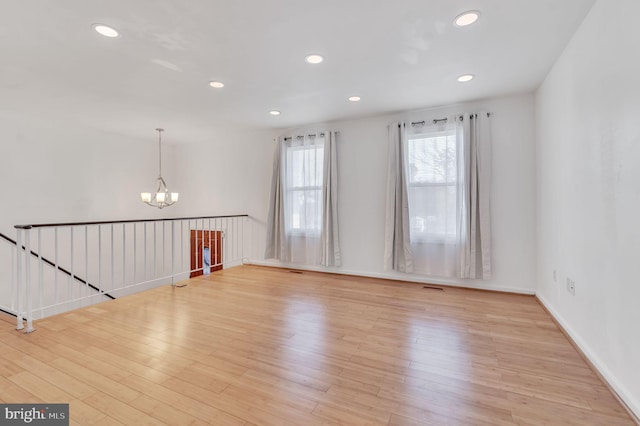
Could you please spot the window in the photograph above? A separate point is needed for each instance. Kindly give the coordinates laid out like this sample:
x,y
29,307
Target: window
x,y
304,168
432,185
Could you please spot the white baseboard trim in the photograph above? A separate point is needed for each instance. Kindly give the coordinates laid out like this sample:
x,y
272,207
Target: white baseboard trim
x,y
395,277
621,392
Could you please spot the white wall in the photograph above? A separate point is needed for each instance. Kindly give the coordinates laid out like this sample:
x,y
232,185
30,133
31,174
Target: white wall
x,y
588,178
230,174
362,158
53,172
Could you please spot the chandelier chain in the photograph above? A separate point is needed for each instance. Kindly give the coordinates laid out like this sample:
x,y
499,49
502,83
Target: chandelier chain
x,y
160,151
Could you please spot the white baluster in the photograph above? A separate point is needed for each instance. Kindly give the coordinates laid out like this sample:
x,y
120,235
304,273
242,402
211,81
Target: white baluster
x,y
19,283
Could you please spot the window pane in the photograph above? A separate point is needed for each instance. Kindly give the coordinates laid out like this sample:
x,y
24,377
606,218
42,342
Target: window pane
x,y
433,212
306,165
306,210
432,159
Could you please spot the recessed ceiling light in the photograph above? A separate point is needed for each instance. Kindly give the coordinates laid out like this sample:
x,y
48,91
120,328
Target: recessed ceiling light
x,y
465,78
354,98
216,84
274,112
313,59
106,30
466,18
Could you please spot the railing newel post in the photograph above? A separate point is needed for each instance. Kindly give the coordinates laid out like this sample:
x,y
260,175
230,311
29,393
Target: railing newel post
x,y
19,309
124,252
113,262
164,246
135,251
155,250
40,274
100,259
87,293
173,252
29,295
55,261
13,277
72,257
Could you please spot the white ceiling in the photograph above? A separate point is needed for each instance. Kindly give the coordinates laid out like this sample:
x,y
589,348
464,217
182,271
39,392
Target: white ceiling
x,y
396,55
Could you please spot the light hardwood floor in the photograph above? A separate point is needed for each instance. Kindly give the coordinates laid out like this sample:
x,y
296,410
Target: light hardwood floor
x,y
262,346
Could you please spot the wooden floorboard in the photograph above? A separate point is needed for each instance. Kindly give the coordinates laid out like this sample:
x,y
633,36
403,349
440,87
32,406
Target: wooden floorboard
x,y
264,346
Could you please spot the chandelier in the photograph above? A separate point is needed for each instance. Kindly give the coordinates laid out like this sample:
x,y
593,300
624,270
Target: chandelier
x,y
162,197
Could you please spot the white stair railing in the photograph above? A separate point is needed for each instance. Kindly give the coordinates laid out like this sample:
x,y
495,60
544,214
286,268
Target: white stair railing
x,y
60,267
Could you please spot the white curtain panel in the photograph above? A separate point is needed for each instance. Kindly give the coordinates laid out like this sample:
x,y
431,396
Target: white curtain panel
x,y
276,247
330,236
397,244
475,258
302,225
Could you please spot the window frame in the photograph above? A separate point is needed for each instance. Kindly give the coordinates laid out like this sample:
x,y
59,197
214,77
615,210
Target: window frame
x,y
291,190
425,237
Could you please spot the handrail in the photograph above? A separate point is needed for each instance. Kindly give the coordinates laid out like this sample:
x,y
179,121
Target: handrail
x,y
11,240
63,270
7,312
110,222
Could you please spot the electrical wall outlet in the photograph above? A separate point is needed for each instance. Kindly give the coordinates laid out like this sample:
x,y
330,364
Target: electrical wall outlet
x,y
571,286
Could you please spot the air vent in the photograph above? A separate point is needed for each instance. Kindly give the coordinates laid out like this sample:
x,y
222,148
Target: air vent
x,y
430,287
295,272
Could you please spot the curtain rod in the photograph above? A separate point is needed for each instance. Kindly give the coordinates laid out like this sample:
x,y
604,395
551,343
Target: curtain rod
x,y
438,120
310,135
489,114
435,121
